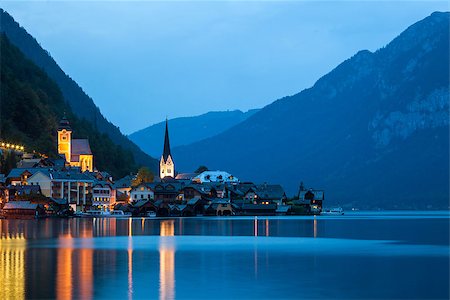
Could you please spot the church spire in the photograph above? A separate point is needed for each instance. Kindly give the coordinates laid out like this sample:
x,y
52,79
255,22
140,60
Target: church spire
x,y
166,165
166,152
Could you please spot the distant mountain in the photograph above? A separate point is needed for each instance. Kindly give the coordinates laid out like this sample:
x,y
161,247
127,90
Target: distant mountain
x,y
187,130
82,105
31,105
374,132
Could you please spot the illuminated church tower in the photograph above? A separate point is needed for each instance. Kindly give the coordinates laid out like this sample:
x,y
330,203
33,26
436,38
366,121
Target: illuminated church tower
x,y
166,165
77,152
65,138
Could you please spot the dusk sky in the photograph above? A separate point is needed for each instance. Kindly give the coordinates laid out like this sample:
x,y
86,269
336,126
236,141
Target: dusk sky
x,y
144,60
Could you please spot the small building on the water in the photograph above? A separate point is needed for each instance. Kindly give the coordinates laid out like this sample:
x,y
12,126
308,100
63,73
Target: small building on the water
x,y
22,209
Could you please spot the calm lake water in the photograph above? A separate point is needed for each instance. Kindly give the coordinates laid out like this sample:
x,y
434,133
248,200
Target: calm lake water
x,y
359,255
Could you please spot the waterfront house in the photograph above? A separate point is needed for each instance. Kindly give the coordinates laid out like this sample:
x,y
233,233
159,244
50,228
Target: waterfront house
x,y
103,195
142,207
166,191
191,191
266,194
22,209
219,207
312,197
123,187
142,191
24,192
196,205
237,191
283,210
68,184
258,209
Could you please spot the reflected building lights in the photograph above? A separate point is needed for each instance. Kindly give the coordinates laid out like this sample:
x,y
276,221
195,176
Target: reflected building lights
x,y
64,275
86,264
255,226
315,227
167,261
267,227
12,266
130,259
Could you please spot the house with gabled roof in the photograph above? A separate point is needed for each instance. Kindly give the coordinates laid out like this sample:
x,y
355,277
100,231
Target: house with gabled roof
x,y
143,191
266,194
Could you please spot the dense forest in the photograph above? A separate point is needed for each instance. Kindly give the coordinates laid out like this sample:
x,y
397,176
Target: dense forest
x,y
32,105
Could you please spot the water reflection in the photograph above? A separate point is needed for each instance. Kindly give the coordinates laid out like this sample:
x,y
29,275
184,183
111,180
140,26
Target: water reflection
x,y
80,258
64,275
130,259
167,260
12,265
315,227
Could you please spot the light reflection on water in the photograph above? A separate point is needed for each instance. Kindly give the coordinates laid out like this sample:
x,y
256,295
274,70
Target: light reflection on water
x,y
225,258
167,261
12,266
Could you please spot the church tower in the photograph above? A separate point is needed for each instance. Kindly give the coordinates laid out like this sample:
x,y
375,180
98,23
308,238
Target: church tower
x,y
65,138
166,165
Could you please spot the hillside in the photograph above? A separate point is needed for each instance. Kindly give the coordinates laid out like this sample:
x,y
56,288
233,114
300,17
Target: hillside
x,y
374,132
187,130
32,105
81,104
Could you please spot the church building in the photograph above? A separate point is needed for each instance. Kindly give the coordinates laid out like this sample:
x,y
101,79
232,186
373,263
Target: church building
x,y
166,165
76,151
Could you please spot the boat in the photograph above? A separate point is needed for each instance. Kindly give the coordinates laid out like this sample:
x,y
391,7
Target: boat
x,y
151,214
119,214
105,214
333,211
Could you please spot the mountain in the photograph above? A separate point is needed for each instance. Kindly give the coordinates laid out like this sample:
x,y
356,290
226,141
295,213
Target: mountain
x,y
374,132
31,105
82,105
187,130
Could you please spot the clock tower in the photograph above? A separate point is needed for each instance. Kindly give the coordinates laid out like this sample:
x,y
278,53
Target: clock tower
x,y
65,138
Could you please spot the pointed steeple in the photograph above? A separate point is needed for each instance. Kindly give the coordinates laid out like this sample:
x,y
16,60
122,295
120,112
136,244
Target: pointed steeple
x,y
166,152
64,123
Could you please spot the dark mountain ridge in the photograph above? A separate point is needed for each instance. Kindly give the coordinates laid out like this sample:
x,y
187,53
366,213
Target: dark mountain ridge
x,y
188,130
81,104
31,106
373,132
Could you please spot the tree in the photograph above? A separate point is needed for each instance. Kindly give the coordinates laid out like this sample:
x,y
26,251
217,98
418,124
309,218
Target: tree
x,y
201,169
8,161
144,175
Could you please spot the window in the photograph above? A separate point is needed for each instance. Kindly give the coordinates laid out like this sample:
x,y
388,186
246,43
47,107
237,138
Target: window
x,y
168,171
135,196
142,196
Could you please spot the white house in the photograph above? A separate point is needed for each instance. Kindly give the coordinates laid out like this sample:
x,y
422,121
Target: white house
x,y
215,176
103,195
142,192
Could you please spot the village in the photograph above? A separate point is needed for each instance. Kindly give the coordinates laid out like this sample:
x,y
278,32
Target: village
x,y
70,186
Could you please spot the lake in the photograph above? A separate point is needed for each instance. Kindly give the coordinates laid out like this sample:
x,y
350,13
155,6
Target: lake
x,y
358,255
